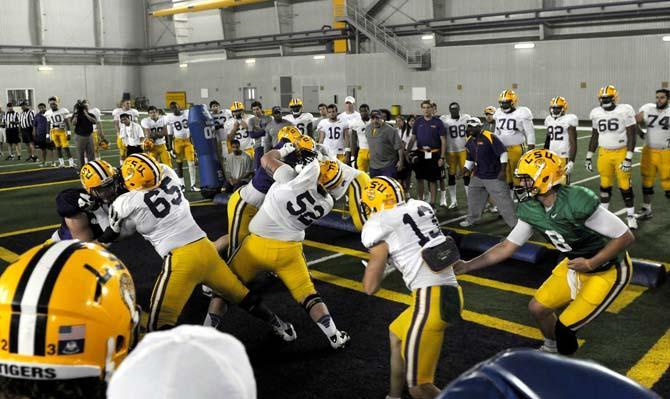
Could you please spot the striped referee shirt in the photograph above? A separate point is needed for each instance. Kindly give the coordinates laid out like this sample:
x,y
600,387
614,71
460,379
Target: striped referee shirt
x,y
11,119
26,119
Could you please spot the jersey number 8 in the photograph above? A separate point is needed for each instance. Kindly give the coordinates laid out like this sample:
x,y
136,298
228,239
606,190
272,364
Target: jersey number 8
x,y
558,240
456,131
555,133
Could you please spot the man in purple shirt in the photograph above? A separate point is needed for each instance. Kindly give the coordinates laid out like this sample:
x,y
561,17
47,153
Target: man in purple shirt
x,y
41,135
431,141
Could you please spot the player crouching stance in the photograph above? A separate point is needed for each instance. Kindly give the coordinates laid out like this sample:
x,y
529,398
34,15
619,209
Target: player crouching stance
x,y
407,235
596,267
156,207
276,233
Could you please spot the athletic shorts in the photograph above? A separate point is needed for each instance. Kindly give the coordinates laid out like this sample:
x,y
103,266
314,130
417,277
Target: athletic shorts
x,y
27,135
12,135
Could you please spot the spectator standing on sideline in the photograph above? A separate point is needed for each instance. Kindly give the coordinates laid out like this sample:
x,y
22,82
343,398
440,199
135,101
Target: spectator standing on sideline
x,y
405,133
323,114
41,135
359,143
387,155
83,123
272,129
98,132
134,116
239,168
131,133
349,114
12,131
489,123
487,163
3,134
26,123
430,137
257,125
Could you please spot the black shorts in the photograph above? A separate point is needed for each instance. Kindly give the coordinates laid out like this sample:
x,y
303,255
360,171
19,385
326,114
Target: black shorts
x,y
428,169
12,134
133,149
44,144
27,135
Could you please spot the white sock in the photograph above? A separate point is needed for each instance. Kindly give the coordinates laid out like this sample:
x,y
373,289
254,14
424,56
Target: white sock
x,y
605,205
466,191
452,193
630,211
97,157
191,172
393,397
61,161
427,197
647,206
70,161
550,345
327,325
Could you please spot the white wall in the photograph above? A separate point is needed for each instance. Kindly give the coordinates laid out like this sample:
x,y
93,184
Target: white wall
x,y
123,23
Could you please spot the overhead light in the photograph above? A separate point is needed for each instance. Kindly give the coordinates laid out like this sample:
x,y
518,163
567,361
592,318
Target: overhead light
x,y
666,38
427,37
250,60
524,45
183,66
319,57
44,68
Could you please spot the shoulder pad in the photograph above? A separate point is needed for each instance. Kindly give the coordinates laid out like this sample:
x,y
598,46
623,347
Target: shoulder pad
x,y
373,232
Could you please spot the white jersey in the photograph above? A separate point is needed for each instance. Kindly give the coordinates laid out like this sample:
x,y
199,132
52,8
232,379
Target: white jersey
x,y
349,174
334,134
343,116
178,125
357,127
301,121
658,126
407,229
98,114
219,122
557,130
57,118
516,127
242,135
162,215
455,132
611,125
134,114
155,127
292,206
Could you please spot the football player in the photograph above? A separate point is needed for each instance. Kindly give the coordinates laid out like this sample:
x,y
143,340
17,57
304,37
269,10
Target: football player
x,y
656,150
304,121
562,132
85,210
116,114
596,267
614,132
514,127
59,119
359,142
220,117
455,125
182,148
68,320
334,134
99,140
157,209
237,129
398,232
276,233
155,130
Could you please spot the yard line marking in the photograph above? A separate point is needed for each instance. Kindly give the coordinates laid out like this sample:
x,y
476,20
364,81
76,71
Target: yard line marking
x,y
583,137
324,259
23,170
7,255
335,248
627,296
30,230
620,212
597,176
453,220
38,185
648,370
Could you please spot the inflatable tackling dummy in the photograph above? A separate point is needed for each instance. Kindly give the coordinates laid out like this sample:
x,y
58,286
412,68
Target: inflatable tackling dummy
x,y
530,374
201,124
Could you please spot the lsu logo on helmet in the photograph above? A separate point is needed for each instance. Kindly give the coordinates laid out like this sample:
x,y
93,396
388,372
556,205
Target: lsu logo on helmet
x,y
140,171
307,149
290,133
99,178
330,175
381,193
538,171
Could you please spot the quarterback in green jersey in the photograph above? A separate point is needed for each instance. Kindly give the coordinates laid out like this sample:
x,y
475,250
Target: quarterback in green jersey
x,y
595,268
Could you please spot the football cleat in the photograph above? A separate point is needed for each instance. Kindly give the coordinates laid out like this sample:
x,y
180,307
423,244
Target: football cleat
x,y
466,223
453,205
546,349
195,188
645,213
284,330
339,340
632,222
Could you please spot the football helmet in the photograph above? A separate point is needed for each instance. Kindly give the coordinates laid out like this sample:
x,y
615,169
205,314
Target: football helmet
x,y
140,171
558,106
538,172
608,96
307,149
381,193
290,133
490,110
296,106
330,175
148,144
103,144
100,179
68,311
236,106
507,100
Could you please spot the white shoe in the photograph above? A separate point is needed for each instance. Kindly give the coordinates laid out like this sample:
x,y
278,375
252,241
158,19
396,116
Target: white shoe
x,y
545,348
453,205
645,213
195,188
493,209
206,291
339,340
632,223
443,203
465,223
284,330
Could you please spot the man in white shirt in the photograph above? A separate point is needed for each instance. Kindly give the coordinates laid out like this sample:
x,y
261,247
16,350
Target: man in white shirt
x,y
134,116
220,117
349,113
131,133
334,135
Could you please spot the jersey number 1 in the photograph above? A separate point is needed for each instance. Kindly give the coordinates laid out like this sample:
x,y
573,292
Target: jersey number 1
x,y
422,211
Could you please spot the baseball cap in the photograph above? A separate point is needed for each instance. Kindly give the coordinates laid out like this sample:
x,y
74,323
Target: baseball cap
x,y
376,113
473,121
350,99
276,109
185,362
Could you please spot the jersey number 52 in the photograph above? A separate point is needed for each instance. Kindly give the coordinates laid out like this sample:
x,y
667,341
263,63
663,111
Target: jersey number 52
x,y
301,209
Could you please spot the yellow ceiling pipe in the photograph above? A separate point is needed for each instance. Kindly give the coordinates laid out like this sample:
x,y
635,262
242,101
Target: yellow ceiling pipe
x,y
204,5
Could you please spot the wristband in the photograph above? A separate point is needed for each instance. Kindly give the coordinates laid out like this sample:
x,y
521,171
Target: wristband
x,y
629,154
347,149
589,155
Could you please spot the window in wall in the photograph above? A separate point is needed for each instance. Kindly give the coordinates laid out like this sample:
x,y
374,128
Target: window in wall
x,y
16,96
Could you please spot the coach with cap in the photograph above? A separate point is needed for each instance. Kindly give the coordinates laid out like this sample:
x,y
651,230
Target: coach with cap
x,y
387,154
349,114
273,127
487,163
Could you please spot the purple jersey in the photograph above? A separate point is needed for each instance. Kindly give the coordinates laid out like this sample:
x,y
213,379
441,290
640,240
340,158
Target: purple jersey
x,y
262,181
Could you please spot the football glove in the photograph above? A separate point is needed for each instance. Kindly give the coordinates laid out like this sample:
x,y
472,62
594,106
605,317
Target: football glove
x,y
626,165
589,162
287,149
69,133
568,167
173,155
114,220
87,202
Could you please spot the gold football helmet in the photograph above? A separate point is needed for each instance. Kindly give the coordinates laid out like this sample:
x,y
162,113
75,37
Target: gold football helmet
x,y
490,110
236,106
295,102
558,106
608,96
507,100
99,179
68,311
140,171
538,171
330,175
381,193
307,149
148,144
290,133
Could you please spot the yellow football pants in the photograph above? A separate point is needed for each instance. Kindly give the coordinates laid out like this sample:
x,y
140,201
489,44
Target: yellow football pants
x,y
456,161
421,327
240,214
183,269
59,137
363,160
285,258
121,147
160,153
609,168
183,149
590,295
655,162
514,153
354,196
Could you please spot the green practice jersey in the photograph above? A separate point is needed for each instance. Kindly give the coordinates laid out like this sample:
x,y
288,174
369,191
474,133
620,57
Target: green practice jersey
x,y
564,224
